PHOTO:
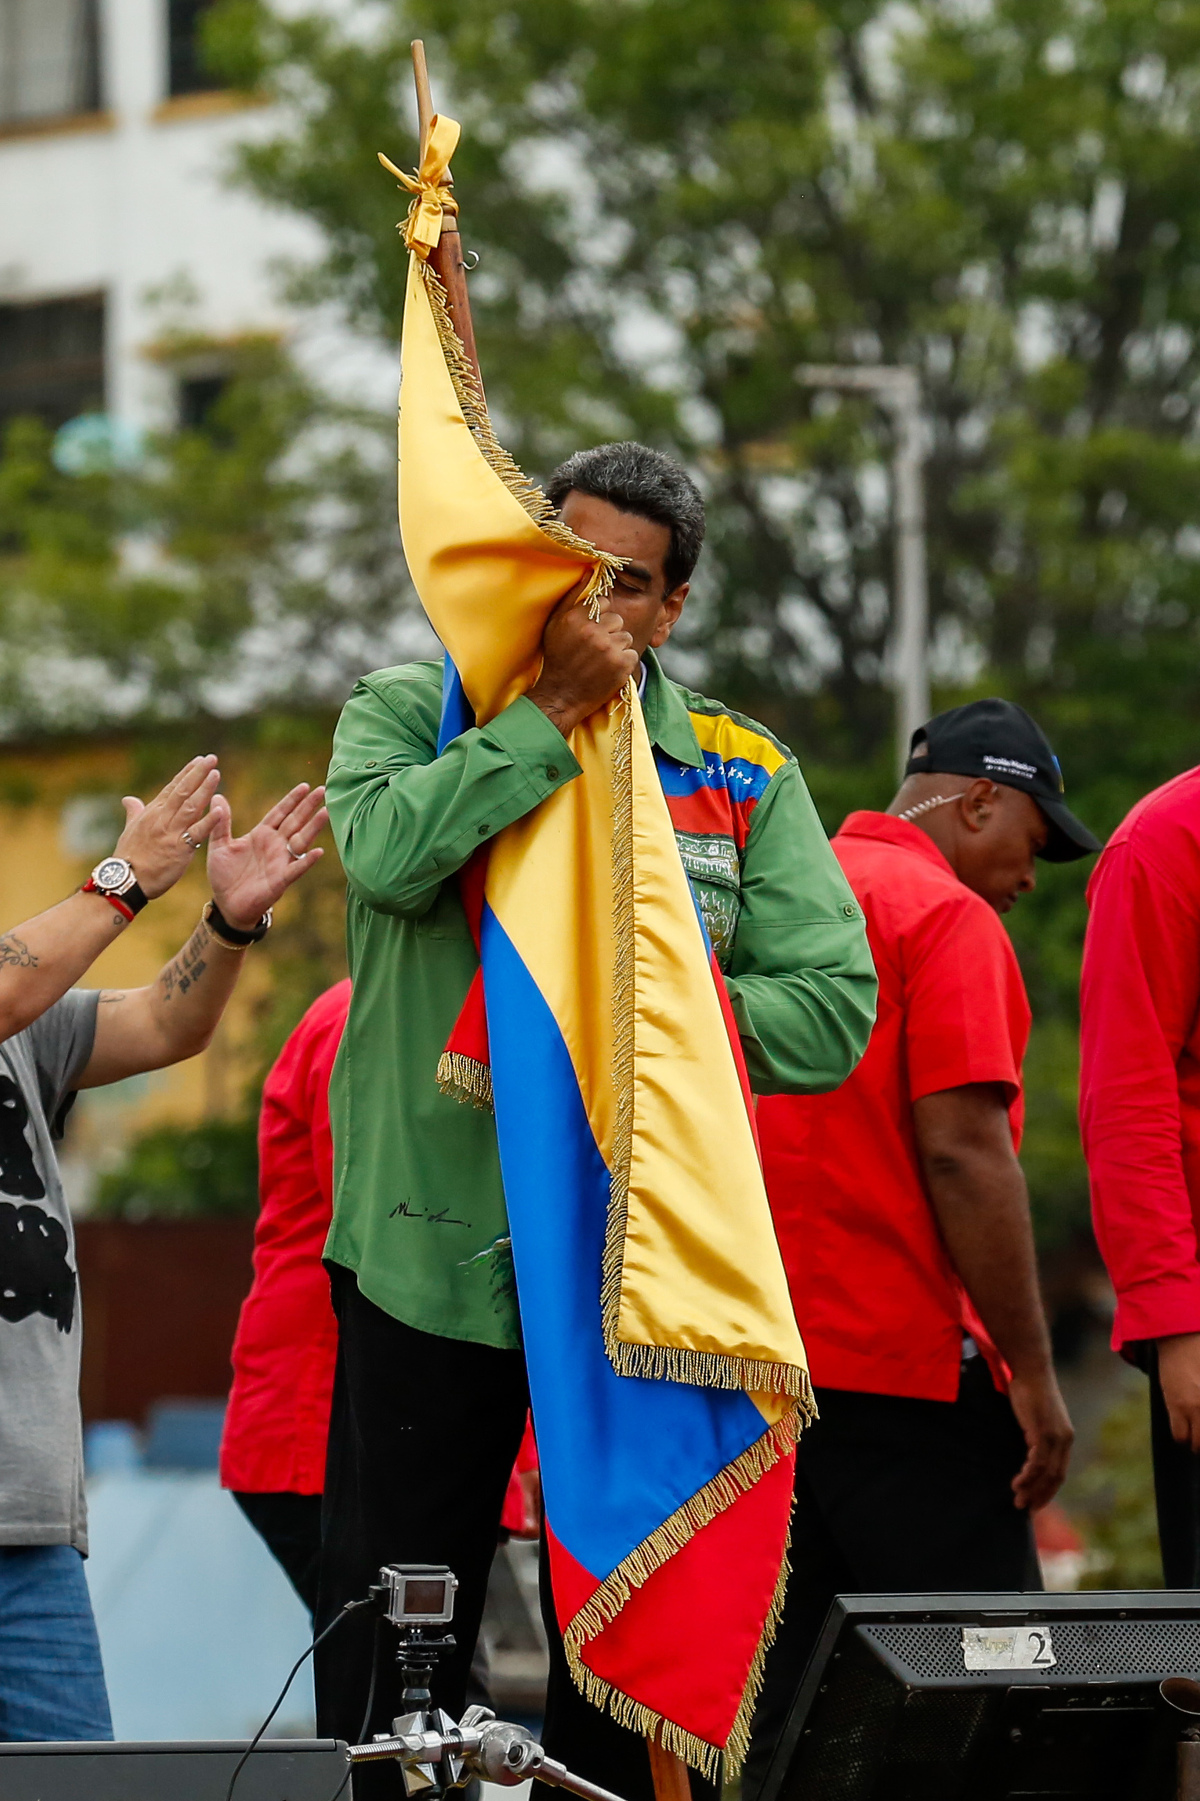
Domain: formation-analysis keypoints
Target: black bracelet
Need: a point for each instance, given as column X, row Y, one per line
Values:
column 230, row 936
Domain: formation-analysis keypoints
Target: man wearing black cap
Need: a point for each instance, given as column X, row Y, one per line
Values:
column 902, row 1211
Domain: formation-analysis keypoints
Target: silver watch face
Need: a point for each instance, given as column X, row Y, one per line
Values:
column 114, row 875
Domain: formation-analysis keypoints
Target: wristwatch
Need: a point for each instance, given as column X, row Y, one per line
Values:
column 231, row 936
column 115, row 882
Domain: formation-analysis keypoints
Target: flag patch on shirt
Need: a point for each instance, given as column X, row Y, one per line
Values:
column 711, row 809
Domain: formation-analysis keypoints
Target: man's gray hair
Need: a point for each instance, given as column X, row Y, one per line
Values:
column 636, row 479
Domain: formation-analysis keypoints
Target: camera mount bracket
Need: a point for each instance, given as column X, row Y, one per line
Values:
column 434, row 1753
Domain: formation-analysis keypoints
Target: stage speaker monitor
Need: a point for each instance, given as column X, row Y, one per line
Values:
column 990, row 1698
column 296, row 1769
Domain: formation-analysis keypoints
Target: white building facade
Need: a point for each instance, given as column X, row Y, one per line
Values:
column 118, row 223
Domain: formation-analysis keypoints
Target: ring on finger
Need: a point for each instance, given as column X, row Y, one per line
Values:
column 295, row 855
column 188, row 839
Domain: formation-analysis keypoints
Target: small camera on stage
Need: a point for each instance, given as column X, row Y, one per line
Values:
column 416, row 1594
column 437, row 1754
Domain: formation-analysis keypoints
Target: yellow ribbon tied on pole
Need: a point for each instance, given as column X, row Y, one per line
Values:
column 431, row 195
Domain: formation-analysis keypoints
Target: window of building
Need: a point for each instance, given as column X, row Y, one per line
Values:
column 49, row 59
column 186, row 71
column 52, row 359
column 198, row 395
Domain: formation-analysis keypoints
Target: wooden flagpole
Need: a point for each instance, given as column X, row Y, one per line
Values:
column 447, row 258
column 669, row 1771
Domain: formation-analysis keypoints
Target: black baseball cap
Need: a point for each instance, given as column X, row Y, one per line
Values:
column 998, row 740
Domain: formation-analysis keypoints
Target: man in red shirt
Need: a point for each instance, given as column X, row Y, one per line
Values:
column 902, row 1211
column 1140, row 1119
column 277, row 1422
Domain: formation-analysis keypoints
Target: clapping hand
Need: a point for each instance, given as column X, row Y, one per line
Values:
column 249, row 874
column 159, row 838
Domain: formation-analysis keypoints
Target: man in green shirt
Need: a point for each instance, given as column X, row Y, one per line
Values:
column 430, row 1393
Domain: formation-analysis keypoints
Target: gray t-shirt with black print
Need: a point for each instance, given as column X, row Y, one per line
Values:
column 41, row 1449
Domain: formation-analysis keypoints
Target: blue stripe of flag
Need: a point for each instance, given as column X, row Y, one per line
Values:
column 619, row 1454
column 457, row 712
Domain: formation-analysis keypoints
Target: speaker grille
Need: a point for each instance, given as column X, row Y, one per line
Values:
column 1081, row 1648
column 858, row 1718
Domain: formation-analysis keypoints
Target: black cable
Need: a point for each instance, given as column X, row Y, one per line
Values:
column 350, row 1607
column 363, row 1729
column 336, row 1795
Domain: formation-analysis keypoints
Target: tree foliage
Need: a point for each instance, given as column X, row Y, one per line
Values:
column 251, row 559
column 1112, row 1499
column 204, row 1171
column 677, row 203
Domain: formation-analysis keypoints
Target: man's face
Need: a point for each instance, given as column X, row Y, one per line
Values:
column 1004, row 828
column 640, row 593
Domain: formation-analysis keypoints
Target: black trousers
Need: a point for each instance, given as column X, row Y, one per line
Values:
column 290, row 1527
column 895, row 1496
column 423, row 1434
column 1176, row 1491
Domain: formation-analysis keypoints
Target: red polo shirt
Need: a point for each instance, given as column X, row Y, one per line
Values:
column 1139, row 1079
column 277, row 1420
column 879, row 1304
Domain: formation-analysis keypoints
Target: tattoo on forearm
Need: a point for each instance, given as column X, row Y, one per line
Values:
column 15, row 953
column 188, row 966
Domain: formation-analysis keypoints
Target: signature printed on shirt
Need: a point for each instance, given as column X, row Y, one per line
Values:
column 443, row 1216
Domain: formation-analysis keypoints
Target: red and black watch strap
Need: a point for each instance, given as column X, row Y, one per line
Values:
column 128, row 904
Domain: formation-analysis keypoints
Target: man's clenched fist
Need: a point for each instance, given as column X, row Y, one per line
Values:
column 587, row 661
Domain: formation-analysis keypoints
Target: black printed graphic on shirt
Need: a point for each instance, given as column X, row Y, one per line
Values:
column 18, row 1172
column 35, row 1276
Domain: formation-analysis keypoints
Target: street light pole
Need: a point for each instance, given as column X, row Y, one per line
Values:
column 898, row 389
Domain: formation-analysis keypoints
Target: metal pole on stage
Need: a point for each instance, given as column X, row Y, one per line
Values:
column 899, row 390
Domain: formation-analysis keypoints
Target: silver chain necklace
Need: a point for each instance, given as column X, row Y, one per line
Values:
column 926, row 806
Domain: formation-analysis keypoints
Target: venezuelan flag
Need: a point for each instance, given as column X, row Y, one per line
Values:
column 666, row 1370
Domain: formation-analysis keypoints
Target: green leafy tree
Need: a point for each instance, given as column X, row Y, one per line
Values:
column 251, row 560
column 677, row 204
column 1113, row 1501
column 209, row 1170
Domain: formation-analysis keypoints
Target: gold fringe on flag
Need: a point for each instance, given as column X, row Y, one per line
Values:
column 470, row 397
column 668, row 1363
column 623, row 1027
column 737, row 1750
column 615, row 1591
column 466, row 1079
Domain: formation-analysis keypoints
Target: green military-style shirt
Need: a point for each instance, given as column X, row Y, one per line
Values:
column 418, row 1200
